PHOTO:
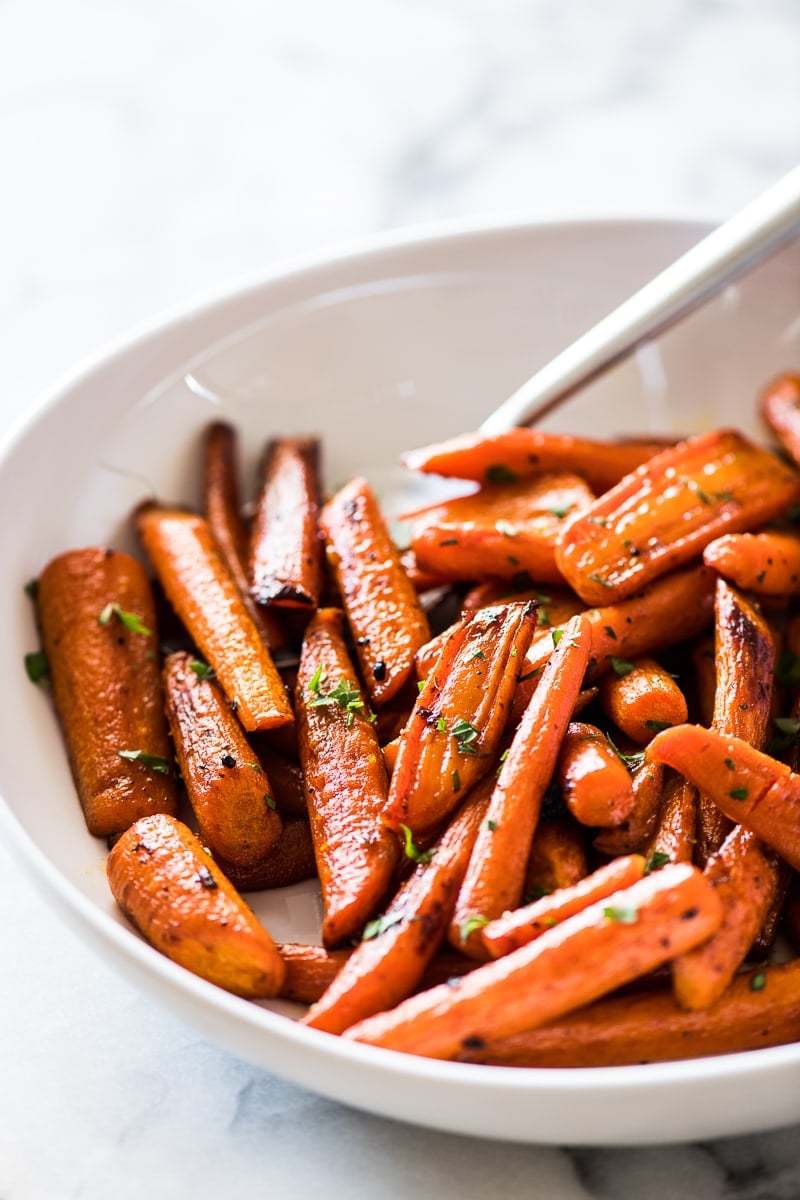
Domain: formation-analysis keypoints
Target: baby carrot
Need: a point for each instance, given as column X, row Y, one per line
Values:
column 291, row 860
column 634, row 833
column 779, row 405
column 557, row 858
column 285, row 547
column 641, row 698
column 675, row 833
column 765, row 563
column 595, row 781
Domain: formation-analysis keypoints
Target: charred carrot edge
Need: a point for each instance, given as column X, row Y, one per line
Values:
column 345, row 781
column 665, row 513
column 557, row 858
column 386, row 619
column 201, row 590
column 229, row 793
column 459, row 717
column 223, row 513
column 642, row 700
column 503, row 530
column 517, row 928
column 745, row 657
column 676, row 829
column 596, row 783
column 496, row 872
column 633, row 834
column 178, row 898
column 750, row 787
column 399, row 945
column 607, row 945
column 760, row 1008
column 518, row 453
column 779, row 405
column 97, row 621
column 285, row 547
column 745, row 875
column 291, row 860
column 765, row 563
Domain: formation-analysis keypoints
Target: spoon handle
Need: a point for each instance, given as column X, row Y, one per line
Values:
column 752, row 234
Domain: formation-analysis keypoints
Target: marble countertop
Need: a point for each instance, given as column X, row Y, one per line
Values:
column 154, row 152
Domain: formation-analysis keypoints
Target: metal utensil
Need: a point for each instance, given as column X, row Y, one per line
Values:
column 754, row 233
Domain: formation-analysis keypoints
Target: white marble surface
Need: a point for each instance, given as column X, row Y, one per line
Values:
column 155, row 151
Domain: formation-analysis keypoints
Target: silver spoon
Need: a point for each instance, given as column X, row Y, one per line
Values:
column 754, row 233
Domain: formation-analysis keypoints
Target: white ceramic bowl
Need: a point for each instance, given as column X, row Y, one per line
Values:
column 402, row 342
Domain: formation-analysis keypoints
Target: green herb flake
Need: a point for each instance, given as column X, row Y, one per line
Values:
column 548, row 922
column 657, row 726
column 441, row 725
column 620, row 666
column 623, row 914
column 491, row 825
column 476, row 654
column 632, row 761
column 599, row 579
column 758, row 981
column 739, row 793
column 466, row 736
column 270, row 802
column 37, row 668
column 656, row 861
column 557, row 635
column 500, row 473
column 456, row 778
column 154, row 761
column 470, row 925
column 346, row 695
column 130, row 620
column 411, row 849
column 375, row 928
column 560, row 510
column 421, row 685
column 610, row 632
column 315, row 682
column 542, row 617
column 449, row 542
column 201, row 669
column 530, row 674
column 730, row 764
column 506, row 528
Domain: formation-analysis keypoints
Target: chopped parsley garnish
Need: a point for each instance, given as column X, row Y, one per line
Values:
column 542, row 617
column 620, row 666
column 412, row 850
column 37, row 668
column 632, row 761
column 656, row 861
column 456, row 778
column 449, row 542
column 470, row 925
column 610, row 632
column 441, row 725
column 500, row 473
column 599, row 579
column 657, row 726
column 270, row 801
column 623, row 914
column 154, row 761
column 491, row 825
column 557, row 635
column 476, row 654
column 739, row 793
column 130, row 620
column 201, row 669
column 346, row 695
column 758, row 982
column 375, row 928
column 560, row 510
column 466, row 736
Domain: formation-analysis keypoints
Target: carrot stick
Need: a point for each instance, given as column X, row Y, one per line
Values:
column 386, row 619
column 229, row 793
column 765, row 563
column 285, row 547
column 667, row 511
column 676, row 830
column 760, row 1008
column 633, row 835
column 309, row 970
column 519, row 453
column 201, row 590
column 169, row 886
column 496, row 872
column 592, row 953
column 291, row 860
column 641, row 698
column 503, row 530
column 557, row 858
column 517, row 928
column 98, row 625
column 345, row 781
column 596, row 783
column 779, row 405
column 223, row 513
column 459, row 717
column 750, row 787
column 391, row 961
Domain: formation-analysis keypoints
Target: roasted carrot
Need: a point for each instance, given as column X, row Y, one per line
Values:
column 704, row 678
column 291, row 860
column 556, row 605
column 745, row 875
column 596, row 783
column 285, row 546
column 750, row 787
column 309, row 970
column 345, row 781
column 665, row 513
column 675, row 833
column 232, row 798
column 459, row 717
column 386, row 619
column 222, row 511
column 765, row 563
column 398, row 946
column 169, row 886
column 607, row 945
column 98, row 625
column 201, row 590
column 760, row 1008
column 641, row 698
column 634, row 833
column 286, row 780
column 517, row 928
column 779, row 405
column 421, row 580
column 519, row 453
column 504, row 530
column 557, row 858
column 496, row 873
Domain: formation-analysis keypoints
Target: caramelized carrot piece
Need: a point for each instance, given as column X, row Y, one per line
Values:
column 345, row 781
column 519, row 453
column 760, row 1008
column 765, row 563
column 607, row 945
column 667, row 511
column 517, row 928
column 745, row 875
column 634, row 833
column 779, row 405
column 285, row 547
column 750, row 787
column 496, row 872
column 98, row 626
column 458, row 720
column 641, row 698
column 386, row 619
column 676, row 830
column 228, row 790
column 421, row 580
column 596, row 783
column 223, row 513
column 704, row 675
column 171, row 889
column 503, row 530
column 556, row 605
column 309, row 970
column 387, row 966
column 201, row 590
column 291, row 860
column 557, row 858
